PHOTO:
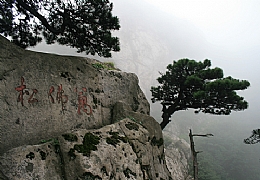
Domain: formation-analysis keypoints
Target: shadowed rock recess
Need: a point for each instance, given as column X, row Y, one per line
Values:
column 74, row 118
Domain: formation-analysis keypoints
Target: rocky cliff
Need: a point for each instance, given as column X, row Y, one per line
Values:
column 44, row 95
column 65, row 117
column 127, row 149
column 177, row 156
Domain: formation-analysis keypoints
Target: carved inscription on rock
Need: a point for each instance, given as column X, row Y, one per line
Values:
column 55, row 95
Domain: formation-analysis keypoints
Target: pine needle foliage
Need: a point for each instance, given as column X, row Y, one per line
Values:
column 191, row 84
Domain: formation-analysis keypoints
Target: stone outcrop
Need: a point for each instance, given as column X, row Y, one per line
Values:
column 44, row 95
column 177, row 156
column 65, row 117
column 129, row 149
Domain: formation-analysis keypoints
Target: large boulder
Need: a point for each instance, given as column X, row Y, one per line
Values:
column 124, row 150
column 44, row 95
column 65, row 117
column 177, row 156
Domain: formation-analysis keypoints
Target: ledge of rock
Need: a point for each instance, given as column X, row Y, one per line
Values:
column 44, row 95
column 69, row 118
column 124, row 150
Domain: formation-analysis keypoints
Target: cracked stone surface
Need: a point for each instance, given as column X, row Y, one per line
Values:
column 43, row 95
column 132, row 155
column 64, row 119
column 177, row 156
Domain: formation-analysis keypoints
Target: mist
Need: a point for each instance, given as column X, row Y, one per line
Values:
column 151, row 38
column 154, row 33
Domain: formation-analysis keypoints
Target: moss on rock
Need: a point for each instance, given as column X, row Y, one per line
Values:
column 89, row 144
column 43, row 155
column 132, row 126
column 70, row 137
column 156, row 142
column 90, row 176
column 104, row 170
column 30, row 155
column 115, row 138
column 127, row 173
column 72, row 154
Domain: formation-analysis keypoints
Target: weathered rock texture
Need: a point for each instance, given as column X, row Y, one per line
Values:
column 44, row 95
column 66, row 118
column 127, row 149
column 177, row 156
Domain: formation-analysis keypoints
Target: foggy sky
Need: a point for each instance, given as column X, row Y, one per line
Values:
column 154, row 33
column 226, row 32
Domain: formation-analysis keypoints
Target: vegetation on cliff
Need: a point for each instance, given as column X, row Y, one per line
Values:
column 84, row 25
column 190, row 84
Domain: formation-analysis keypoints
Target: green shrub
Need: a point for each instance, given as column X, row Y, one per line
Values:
column 104, row 65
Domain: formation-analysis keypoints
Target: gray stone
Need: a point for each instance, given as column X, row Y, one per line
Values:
column 62, row 118
column 177, row 156
column 121, row 152
column 43, row 95
column 17, row 163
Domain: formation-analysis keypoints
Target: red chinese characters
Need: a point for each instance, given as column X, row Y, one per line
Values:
column 55, row 96
column 22, row 90
column 31, row 99
column 83, row 103
column 60, row 97
column 50, row 92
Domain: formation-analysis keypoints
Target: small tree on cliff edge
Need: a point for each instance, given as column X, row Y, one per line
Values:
column 254, row 138
column 190, row 84
column 82, row 24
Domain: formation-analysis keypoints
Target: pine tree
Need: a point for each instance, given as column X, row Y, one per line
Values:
column 82, row 24
column 190, row 84
column 254, row 138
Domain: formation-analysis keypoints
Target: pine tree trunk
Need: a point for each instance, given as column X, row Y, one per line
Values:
column 194, row 156
column 167, row 113
column 166, row 120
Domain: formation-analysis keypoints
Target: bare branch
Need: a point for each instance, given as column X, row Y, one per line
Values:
column 39, row 16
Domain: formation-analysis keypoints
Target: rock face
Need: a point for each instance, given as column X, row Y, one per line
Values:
column 177, row 156
column 44, row 95
column 129, row 149
column 71, row 118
